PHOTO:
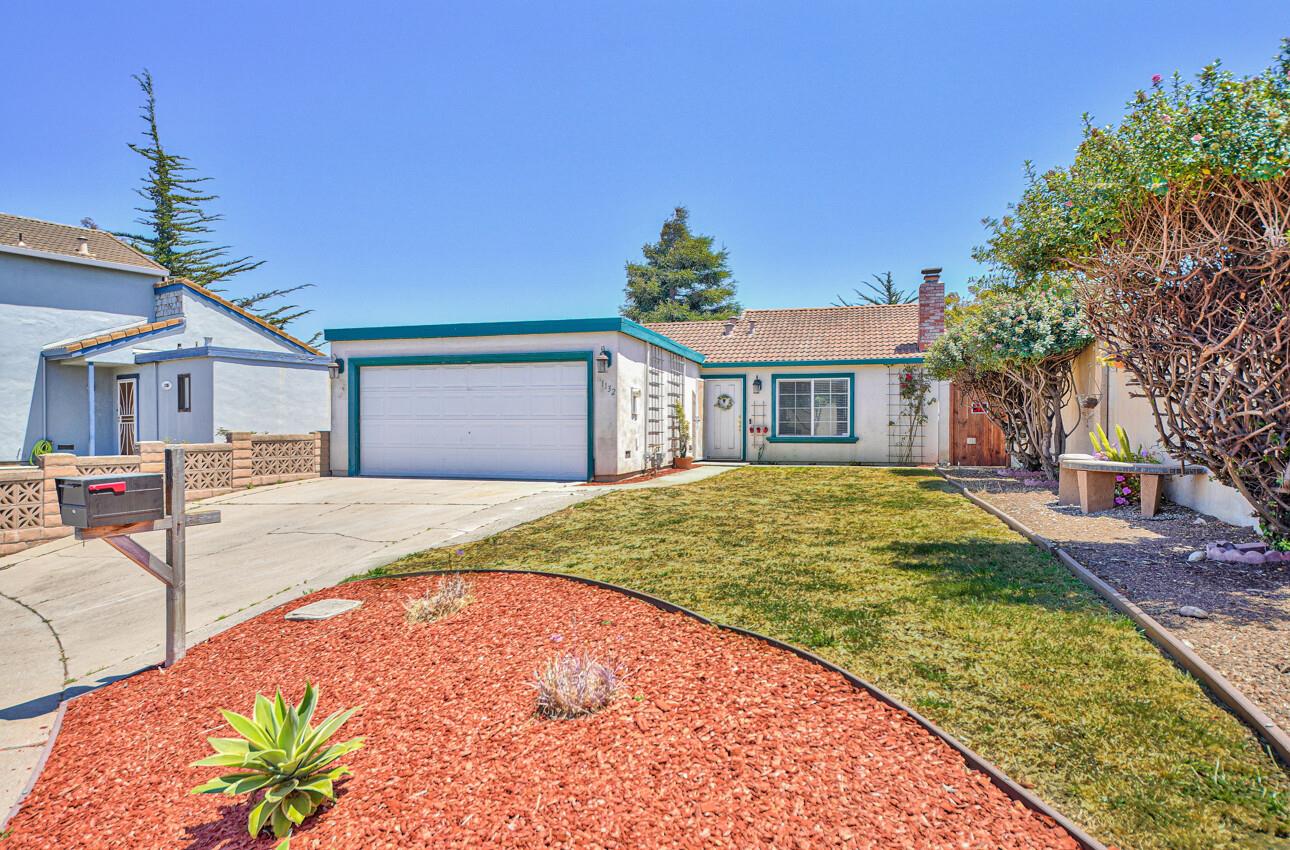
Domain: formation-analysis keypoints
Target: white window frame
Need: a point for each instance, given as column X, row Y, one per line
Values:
column 813, row 380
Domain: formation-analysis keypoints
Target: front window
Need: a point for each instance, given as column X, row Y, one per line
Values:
column 814, row 407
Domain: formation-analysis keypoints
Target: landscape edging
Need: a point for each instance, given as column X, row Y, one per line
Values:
column 1250, row 714
column 997, row 777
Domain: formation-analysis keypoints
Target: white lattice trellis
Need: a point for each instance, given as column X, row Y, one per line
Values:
column 906, row 425
column 20, row 505
column 282, row 457
column 208, row 469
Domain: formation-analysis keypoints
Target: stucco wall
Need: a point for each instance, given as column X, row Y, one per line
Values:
column 1117, row 405
column 196, row 425
column 271, row 399
column 631, row 373
column 871, row 417
column 43, row 302
column 204, row 319
column 606, row 388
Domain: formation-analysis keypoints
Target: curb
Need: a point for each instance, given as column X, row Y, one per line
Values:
column 38, row 768
column 997, row 777
column 1250, row 714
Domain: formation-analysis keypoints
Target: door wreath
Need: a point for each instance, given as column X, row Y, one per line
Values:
column 725, row 402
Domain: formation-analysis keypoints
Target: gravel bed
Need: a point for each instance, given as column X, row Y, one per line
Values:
column 717, row 741
column 1247, row 633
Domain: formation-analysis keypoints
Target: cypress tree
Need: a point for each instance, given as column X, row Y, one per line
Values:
column 177, row 223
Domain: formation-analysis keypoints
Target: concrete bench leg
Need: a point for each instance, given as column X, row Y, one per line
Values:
column 1151, row 488
column 1096, row 491
column 1067, row 486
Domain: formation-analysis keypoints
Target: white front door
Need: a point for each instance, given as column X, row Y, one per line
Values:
column 503, row 420
column 127, row 416
column 723, row 421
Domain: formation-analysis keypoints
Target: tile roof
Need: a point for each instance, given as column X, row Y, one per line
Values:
column 808, row 333
column 122, row 334
column 246, row 314
column 22, row 232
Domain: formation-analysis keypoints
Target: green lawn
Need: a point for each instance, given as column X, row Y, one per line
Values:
column 892, row 575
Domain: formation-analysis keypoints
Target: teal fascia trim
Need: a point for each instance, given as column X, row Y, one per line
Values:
column 354, row 368
column 774, row 415
column 871, row 361
column 743, row 378
column 614, row 324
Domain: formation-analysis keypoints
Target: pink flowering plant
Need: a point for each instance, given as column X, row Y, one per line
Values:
column 1128, row 488
column 1175, row 135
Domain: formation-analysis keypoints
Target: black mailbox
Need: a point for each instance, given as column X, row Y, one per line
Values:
column 91, row 501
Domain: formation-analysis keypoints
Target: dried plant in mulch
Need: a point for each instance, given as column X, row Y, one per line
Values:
column 575, row 683
column 1192, row 297
column 450, row 595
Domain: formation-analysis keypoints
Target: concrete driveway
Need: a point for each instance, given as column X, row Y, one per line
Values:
column 75, row 615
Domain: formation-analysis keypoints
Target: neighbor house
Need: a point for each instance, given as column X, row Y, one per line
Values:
column 598, row 398
column 100, row 350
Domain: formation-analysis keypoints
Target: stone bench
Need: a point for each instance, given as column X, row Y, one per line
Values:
column 1090, row 483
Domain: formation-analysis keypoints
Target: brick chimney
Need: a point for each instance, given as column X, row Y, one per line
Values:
column 931, row 308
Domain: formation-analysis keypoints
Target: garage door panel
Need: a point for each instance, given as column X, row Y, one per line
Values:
column 510, row 420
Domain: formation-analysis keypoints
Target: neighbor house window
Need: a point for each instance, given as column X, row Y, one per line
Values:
column 814, row 407
column 185, row 395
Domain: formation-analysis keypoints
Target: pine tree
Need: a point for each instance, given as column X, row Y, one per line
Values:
column 682, row 279
column 882, row 291
column 177, row 223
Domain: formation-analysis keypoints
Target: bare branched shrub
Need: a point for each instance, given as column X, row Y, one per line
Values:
column 1192, row 296
column 449, row 596
column 575, row 683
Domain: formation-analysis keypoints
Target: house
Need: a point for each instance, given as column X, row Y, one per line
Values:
column 596, row 398
column 102, row 350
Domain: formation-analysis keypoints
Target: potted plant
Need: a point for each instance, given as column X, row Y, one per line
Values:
column 683, row 459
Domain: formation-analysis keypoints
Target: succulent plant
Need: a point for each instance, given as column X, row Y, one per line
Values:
column 281, row 754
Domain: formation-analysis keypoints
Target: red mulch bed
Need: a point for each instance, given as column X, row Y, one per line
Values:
column 635, row 479
column 719, row 741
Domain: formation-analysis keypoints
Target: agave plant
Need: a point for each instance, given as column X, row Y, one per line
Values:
column 283, row 755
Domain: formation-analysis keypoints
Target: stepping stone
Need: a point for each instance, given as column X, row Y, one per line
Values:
column 323, row 609
column 1193, row 611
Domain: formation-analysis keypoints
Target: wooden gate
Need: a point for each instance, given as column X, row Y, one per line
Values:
column 974, row 439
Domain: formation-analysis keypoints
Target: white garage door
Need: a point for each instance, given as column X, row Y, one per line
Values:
column 505, row 420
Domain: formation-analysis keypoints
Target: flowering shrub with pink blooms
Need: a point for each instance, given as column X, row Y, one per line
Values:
column 1175, row 135
column 1172, row 225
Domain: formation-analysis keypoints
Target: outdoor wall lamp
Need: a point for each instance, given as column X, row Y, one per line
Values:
column 603, row 359
column 336, row 368
column 757, row 384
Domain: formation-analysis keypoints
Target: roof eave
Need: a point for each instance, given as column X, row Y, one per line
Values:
column 614, row 324
column 893, row 360
column 62, row 352
column 157, row 271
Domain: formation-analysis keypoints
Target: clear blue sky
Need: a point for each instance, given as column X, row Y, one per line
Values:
column 425, row 162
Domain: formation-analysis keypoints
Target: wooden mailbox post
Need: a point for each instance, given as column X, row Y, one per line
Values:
column 171, row 572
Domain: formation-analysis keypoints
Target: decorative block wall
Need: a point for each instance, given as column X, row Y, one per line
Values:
column 29, row 512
